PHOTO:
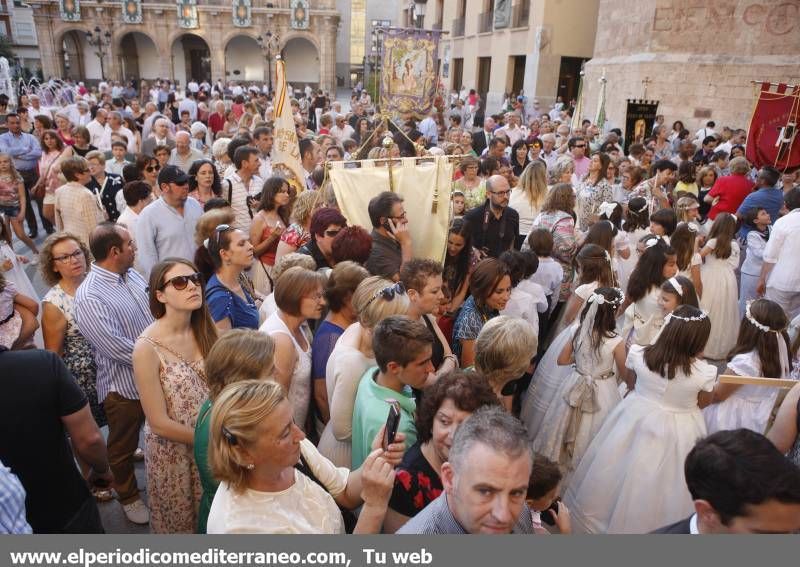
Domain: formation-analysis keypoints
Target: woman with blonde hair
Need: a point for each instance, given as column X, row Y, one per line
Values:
column 273, row 480
column 375, row 299
column 298, row 234
column 528, row 196
column 168, row 369
column 241, row 354
column 504, row 350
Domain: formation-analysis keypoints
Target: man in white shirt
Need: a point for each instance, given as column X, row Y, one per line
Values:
column 79, row 114
column 97, row 127
column 310, row 157
column 512, row 128
column 704, row 133
column 36, row 108
column 236, row 90
column 341, row 130
column 549, row 154
column 244, row 183
column 183, row 154
column 262, row 137
column 193, row 87
column 780, row 273
column 138, row 195
column 739, row 138
column 114, row 125
column 188, row 105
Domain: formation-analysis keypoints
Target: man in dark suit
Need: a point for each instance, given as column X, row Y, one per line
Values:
column 740, row 483
column 480, row 140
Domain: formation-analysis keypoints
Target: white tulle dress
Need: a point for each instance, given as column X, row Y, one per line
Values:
column 721, row 300
column 549, row 376
column 749, row 406
column 643, row 319
column 630, row 479
column 580, row 406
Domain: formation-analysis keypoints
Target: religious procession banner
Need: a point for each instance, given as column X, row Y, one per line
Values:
column 408, row 77
column 424, row 185
column 286, row 147
column 300, row 14
column 132, row 12
column 639, row 120
column 70, row 10
column 242, row 13
column 772, row 137
column 187, row 14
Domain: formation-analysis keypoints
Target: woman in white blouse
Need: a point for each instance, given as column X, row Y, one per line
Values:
column 274, row 481
column 528, row 196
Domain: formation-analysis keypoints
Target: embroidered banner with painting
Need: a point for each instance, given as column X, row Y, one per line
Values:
column 242, row 13
column 187, row 14
column 639, row 120
column 408, row 77
column 773, row 137
column 299, row 14
column 70, row 10
column 132, row 12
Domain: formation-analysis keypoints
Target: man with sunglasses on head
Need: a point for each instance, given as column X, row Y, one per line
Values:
column 112, row 309
column 325, row 225
column 165, row 228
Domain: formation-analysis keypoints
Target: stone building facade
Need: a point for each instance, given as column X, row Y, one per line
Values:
column 697, row 57
column 215, row 49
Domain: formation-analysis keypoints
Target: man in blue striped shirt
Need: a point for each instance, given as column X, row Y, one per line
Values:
column 12, row 504
column 112, row 310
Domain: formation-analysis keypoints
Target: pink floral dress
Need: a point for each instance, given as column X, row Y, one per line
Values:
column 173, row 482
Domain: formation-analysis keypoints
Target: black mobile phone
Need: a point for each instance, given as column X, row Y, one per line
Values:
column 387, row 226
column 547, row 517
column 392, row 423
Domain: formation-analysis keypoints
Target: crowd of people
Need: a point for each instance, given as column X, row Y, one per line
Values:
column 283, row 371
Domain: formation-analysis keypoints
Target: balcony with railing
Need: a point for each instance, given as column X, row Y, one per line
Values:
column 520, row 14
column 458, row 27
column 485, row 22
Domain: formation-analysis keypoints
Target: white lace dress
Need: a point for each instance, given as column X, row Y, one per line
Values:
column 631, row 480
column 749, row 406
column 300, row 387
column 549, row 376
column 580, row 406
column 721, row 301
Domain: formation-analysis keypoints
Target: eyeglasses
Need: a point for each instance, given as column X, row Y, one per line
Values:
column 501, row 193
column 152, row 168
column 219, row 230
column 401, row 216
column 388, row 293
column 67, row 258
column 332, row 233
column 180, row 282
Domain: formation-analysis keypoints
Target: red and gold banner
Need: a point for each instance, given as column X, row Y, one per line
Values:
column 773, row 137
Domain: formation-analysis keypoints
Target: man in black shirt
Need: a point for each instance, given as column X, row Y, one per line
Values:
column 41, row 405
column 494, row 225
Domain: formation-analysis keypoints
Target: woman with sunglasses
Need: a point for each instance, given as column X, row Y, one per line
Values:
column 230, row 296
column 204, row 181
column 64, row 262
column 375, row 299
column 168, row 366
column 265, row 231
column 149, row 167
column 299, row 297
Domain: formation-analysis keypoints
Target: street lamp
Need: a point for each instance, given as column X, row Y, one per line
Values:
column 269, row 43
column 100, row 41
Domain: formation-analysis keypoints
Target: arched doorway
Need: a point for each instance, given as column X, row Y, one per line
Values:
column 191, row 59
column 302, row 61
column 244, row 60
column 73, row 57
column 138, row 56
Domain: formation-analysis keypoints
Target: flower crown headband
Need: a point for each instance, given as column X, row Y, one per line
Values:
column 703, row 315
column 758, row 325
column 602, row 299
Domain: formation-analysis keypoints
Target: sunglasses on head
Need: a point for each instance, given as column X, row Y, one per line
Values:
column 388, row 293
column 220, row 229
column 180, row 282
